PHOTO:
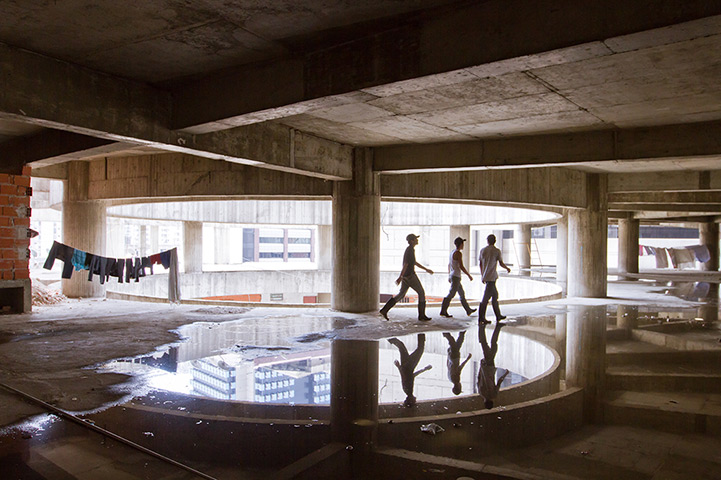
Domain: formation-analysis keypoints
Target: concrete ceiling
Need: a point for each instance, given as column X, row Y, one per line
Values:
column 389, row 74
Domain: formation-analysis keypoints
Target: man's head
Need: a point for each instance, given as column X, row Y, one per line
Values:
column 412, row 239
column 491, row 239
column 459, row 242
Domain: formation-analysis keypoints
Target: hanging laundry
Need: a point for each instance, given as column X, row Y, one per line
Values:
column 684, row 258
column 62, row 252
column 661, row 258
column 173, row 280
column 701, row 252
column 79, row 260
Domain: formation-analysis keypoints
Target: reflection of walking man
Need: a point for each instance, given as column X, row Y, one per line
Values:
column 455, row 268
column 408, row 364
column 490, row 255
column 454, row 360
column 488, row 387
column 409, row 279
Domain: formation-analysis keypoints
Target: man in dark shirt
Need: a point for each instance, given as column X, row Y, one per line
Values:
column 408, row 279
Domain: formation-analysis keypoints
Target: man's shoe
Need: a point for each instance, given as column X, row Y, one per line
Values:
column 424, row 318
column 471, row 311
column 483, row 321
column 447, row 315
column 502, row 317
column 384, row 314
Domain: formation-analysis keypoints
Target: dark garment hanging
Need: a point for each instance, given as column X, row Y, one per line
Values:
column 98, row 267
column 165, row 258
column 61, row 252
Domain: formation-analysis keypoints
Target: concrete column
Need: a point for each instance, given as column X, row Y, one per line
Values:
column 522, row 243
column 463, row 231
column 627, row 317
column 144, row 241
column 354, row 394
column 586, row 357
column 562, row 253
column 709, row 236
column 356, row 238
column 193, row 246
column 84, row 228
column 561, row 332
column 221, row 245
column 154, row 239
column 587, row 242
column 627, row 247
column 708, row 311
column 325, row 247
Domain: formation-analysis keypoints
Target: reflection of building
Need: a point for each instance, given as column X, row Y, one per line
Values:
column 301, row 380
column 215, row 380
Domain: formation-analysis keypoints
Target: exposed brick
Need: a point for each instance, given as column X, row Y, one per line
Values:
column 27, row 171
column 21, row 274
column 4, row 178
column 7, row 243
column 22, row 181
column 6, row 189
column 18, row 200
column 22, row 242
column 7, row 232
column 5, row 221
column 21, row 222
column 7, row 275
column 21, row 264
column 9, row 211
column 6, row 264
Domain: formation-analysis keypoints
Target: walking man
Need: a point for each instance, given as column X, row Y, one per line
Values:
column 408, row 279
column 455, row 268
column 489, row 257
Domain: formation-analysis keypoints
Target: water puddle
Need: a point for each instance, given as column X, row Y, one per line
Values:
column 287, row 360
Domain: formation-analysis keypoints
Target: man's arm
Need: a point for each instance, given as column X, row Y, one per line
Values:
column 403, row 272
column 500, row 262
column 458, row 256
column 424, row 268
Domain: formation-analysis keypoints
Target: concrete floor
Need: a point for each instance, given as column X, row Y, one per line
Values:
column 47, row 354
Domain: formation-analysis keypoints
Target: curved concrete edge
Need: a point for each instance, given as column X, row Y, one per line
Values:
column 194, row 301
column 546, row 384
column 516, row 425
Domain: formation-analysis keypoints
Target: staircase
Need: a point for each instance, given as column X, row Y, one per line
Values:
column 651, row 385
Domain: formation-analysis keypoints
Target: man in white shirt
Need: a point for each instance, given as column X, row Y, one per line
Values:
column 490, row 256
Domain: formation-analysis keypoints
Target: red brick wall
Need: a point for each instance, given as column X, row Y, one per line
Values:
column 15, row 195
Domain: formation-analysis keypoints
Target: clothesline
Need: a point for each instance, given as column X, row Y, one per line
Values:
column 681, row 257
column 120, row 268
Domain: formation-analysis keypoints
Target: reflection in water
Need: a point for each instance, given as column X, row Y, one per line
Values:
column 489, row 383
column 407, row 366
column 455, row 367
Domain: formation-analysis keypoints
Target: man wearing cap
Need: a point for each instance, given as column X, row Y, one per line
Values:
column 489, row 257
column 409, row 279
column 455, row 268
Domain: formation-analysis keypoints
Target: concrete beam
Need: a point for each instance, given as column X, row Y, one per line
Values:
column 554, row 187
column 664, row 181
column 667, row 142
column 169, row 176
column 50, row 93
column 430, row 45
column 667, row 198
column 665, row 207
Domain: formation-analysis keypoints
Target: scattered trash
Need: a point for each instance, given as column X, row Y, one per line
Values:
column 349, row 448
column 432, row 428
column 198, row 422
column 181, row 408
column 672, row 401
column 390, row 421
column 148, row 434
column 457, row 425
column 585, row 452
